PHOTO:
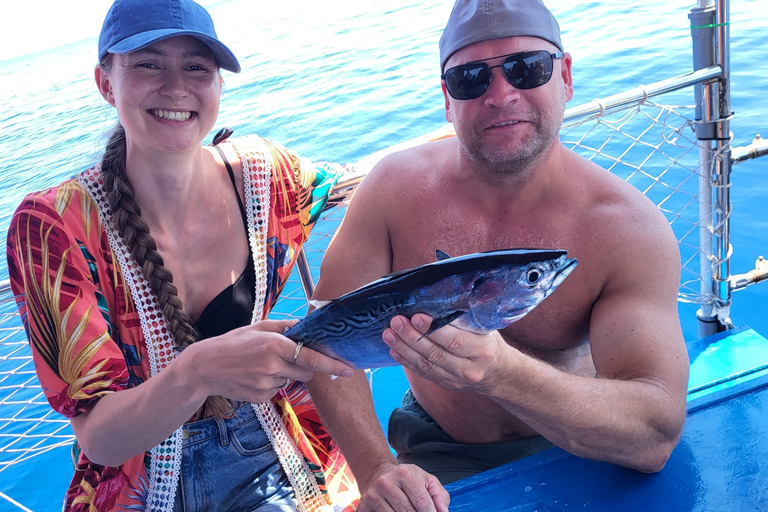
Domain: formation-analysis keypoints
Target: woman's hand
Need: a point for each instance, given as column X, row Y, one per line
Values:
column 251, row 363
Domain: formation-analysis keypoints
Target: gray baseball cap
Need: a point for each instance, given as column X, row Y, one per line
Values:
column 473, row 21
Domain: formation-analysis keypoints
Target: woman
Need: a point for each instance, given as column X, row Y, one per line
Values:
column 137, row 282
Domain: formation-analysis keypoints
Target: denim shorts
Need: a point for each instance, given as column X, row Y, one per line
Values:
column 230, row 465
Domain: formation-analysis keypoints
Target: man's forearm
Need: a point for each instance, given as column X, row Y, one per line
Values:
column 635, row 423
column 346, row 408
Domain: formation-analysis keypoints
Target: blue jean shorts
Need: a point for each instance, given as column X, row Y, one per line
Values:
column 230, row 465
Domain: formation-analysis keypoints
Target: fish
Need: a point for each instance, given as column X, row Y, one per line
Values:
column 479, row 293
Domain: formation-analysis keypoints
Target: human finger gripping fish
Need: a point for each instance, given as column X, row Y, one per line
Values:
column 479, row 292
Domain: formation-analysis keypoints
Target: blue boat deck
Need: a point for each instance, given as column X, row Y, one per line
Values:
column 719, row 464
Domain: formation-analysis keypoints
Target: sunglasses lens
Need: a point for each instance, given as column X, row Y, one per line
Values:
column 468, row 81
column 528, row 70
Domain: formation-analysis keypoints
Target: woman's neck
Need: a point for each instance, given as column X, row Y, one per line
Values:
column 169, row 186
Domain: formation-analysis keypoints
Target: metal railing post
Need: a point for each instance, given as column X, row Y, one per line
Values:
column 721, row 172
column 305, row 275
column 710, row 47
column 703, row 35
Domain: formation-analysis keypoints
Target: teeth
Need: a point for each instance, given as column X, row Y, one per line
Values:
column 171, row 115
column 505, row 123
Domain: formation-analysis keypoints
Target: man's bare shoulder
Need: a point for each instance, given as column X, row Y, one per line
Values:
column 621, row 227
column 613, row 201
column 388, row 196
column 414, row 163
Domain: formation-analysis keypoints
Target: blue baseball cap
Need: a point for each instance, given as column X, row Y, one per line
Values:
column 131, row 25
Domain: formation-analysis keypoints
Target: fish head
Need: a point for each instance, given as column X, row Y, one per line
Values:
column 506, row 293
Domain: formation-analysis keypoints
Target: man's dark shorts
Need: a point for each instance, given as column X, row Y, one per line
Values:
column 417, row 439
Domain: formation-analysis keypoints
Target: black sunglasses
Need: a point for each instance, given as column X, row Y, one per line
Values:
column 526, row 70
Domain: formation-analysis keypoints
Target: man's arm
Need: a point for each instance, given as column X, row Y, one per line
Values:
column 360, row 253
column 633, row 412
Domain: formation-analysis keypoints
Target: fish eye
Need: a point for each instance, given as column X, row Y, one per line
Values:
column 533, row 275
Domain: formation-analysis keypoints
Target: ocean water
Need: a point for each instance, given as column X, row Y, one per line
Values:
column 342, row 79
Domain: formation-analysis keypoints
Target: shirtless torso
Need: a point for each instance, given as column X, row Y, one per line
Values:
column 611, row 228
column 599, row 368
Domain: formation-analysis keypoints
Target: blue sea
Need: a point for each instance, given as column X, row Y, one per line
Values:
column 341, row 79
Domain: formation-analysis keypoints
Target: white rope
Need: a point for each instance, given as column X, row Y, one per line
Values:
column 14, row 502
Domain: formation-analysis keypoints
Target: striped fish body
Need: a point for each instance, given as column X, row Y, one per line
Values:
column 478, row 292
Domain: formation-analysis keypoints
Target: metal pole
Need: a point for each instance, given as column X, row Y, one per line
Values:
column 603, row 106
column 710, row 33
column 722, row 171
column 758, row 148
column 305, row 275
column 703, row 35
column 721, row 208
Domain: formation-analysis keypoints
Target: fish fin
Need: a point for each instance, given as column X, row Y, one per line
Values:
column 440, row 255
column 443, row 321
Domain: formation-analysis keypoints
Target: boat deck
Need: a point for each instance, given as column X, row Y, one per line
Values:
column 719, row 464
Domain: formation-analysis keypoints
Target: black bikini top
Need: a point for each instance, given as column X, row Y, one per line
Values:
column 233, row 307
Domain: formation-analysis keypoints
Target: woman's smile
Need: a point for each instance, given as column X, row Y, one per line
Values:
column 171, row 115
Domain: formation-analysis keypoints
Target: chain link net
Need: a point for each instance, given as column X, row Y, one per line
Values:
column 654, row 148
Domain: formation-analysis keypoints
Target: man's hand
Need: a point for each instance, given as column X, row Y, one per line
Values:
column 456, row 360
column 404, row 488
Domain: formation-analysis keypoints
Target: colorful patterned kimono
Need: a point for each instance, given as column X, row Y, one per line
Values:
column 95, row 328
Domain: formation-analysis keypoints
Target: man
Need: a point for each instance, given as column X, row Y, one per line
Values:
column 599, row 368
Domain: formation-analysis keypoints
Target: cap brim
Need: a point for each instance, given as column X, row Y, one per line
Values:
column 224, row 56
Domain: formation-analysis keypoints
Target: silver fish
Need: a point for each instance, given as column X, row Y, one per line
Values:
column 478, row 292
